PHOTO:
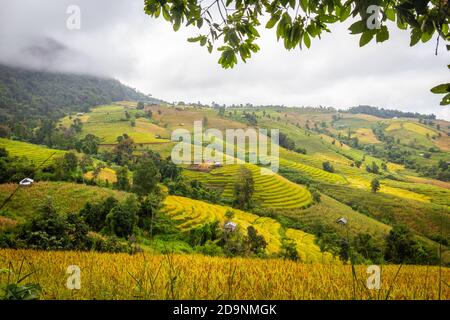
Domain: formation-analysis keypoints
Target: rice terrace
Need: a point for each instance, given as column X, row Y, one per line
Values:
column 310, row 175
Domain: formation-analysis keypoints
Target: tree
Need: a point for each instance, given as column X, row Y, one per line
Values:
column 244, row 188
column 123, row 182
column 140, row 105
column 327, row 166
column 234, row 23
column 95, row 214
column 145, row 177
column 89, row 144
column 122, row 219
column 289, row 249
column 123, row 151
column 366, row 246
column 401, row 247
column 149, row 214
column 375, row 185
column 256, row 242
column 70, row 162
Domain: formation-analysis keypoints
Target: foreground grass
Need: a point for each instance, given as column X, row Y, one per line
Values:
column 144, row 276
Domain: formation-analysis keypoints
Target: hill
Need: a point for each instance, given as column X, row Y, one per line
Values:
column 33, row 152
column 29, row 95
column 187, row 213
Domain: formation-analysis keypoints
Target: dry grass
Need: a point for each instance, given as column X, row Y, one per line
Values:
column 144, row 276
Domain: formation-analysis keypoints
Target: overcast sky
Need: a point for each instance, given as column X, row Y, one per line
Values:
column 117, row 39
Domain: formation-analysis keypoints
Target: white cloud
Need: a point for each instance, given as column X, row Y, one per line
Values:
column 118, row 39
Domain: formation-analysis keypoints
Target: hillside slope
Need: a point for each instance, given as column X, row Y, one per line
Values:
column 27, row 95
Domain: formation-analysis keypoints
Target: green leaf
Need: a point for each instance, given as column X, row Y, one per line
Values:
column 304, row 5
column 273, row 20
column 253, row 30
column 306, row 40
column 165, row 12
column 401, row 24
column 426, row 36
column 358, row 27
column 390, row 14
column 328, row 18
column 445, row 100
column 292, row 3
column 415, row 36
column 195, row 39
column 442, row 88
column 365, row 38
column 345, row 13
column 382, row 34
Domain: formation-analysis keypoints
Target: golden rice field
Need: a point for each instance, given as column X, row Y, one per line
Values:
column 108, row 122
column 106, row 174
column 33, row 152
column 411, row 126
column 189, row 213
column 271, row 190
column 314, row 173
column 364, row 183
column 366, row 135
column 145, row 276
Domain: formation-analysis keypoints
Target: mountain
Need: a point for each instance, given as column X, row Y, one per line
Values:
column 29, row 95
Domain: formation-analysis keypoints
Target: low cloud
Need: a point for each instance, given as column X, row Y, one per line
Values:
column 117, row 39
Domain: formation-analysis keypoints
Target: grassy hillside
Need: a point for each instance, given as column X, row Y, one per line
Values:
column 66, row 197
column 187, row 213
column 33, row 152
column 190, row 213
column 425, row 218
column 110, row 121
column 28, row 95
column 271, row 190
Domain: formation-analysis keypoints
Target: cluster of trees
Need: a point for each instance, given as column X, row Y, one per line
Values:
column 399, row 246
column 387, row 113
column 13, row 169
column 28, row 97
column 214, row 239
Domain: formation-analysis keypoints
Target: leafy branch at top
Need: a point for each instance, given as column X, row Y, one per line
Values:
column 233, row 23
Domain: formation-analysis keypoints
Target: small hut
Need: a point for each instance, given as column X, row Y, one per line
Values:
column 230, row 226
column 26, row 182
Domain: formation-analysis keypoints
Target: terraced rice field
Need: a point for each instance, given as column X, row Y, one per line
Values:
column 34, row 153
column 109, row 122
column 411, row 127
column 189, row 213
column 314, row 173
column 271, row 191
column 364, row 183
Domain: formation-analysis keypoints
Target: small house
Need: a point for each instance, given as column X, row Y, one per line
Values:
column 26, row 182
column 342, row 221
column 230, row 226
column 79, row 114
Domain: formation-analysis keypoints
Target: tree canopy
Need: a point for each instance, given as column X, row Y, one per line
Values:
column 233, row 23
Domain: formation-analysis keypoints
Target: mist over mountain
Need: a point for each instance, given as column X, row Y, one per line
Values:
column 29, row 95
